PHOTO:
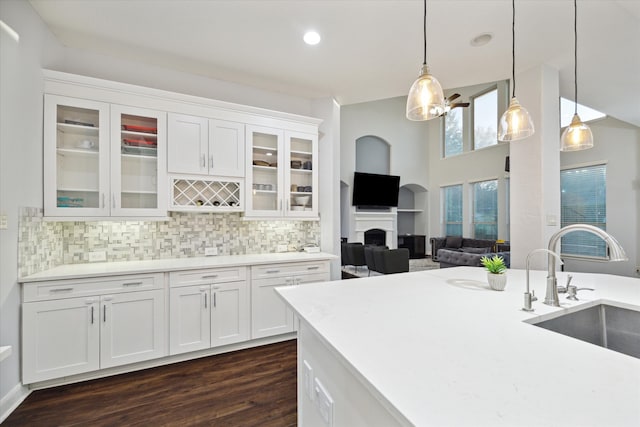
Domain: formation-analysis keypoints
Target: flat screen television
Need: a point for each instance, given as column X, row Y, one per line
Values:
column 373, row 190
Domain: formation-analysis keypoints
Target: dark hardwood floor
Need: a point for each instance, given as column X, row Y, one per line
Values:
column 254, row 387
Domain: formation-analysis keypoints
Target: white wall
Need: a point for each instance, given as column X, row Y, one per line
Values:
column 20, row 165
column 618, row 144
column 386, row 119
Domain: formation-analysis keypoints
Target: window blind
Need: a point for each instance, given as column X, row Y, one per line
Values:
column 452, row 210
column 583, row 200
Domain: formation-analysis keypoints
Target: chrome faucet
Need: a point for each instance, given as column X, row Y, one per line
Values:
column 529, row 297
column 615, row 253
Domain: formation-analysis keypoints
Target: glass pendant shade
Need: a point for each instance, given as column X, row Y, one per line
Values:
column 426, row 99
column 576, row 136
column 515, row 123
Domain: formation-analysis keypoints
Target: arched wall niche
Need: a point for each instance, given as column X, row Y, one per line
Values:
column 373, row 155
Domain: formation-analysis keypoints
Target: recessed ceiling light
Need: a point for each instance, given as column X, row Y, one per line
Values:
column 481, row 39
column 311, row 37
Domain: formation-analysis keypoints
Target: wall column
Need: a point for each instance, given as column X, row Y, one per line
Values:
column 535, row 168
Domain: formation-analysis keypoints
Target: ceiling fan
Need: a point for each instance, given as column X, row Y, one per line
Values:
column 450, row 105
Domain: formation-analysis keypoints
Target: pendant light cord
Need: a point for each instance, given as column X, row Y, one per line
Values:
column 425, row 33
column 513, row 45
column 575, row 55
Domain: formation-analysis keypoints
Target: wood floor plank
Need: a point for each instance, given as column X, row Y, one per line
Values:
column 253, row 387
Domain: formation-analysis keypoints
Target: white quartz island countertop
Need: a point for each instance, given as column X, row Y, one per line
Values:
column 439, row 348
column 97, row 269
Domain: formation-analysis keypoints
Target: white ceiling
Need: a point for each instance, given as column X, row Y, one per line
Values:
column 369, row 49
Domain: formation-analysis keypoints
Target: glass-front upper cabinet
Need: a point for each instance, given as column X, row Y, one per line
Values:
column 76, row 157
column 301, row 179
column 138, row 162
column 103, row 160
column 264, row 179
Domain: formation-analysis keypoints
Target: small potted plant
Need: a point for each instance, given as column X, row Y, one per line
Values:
column 495, row 272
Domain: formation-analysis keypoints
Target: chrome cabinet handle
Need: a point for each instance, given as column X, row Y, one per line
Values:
column 210, row 276
column 273, row 271
column 210, row 162
column 132, row 284
column 103, row 205
column 104, row 313
column 202, row 160
column 53, row 291
column 92, row 307
column 214, row 299
column 315, row 267
column 205, row 300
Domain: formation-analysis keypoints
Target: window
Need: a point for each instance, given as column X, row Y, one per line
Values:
column 485, row 119
column 507, row 185
column 583, row 201
column 485, row 209
column 567, row 109
column 453, row 132
column 452, row 210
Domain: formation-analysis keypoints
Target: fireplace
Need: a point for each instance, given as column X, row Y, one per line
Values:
column 375, row 236
column 381, row 221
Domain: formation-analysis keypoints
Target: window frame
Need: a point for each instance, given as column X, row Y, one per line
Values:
column 472, row 100
column 473, row 209
column 445, row 222
column 444, row 133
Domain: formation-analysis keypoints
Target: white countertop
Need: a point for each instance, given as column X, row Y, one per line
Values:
column 445, row 350
column 96, row 269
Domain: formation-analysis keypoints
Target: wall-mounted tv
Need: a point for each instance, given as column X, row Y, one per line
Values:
column 373, row 190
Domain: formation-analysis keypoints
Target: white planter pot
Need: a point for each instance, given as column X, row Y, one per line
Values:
column 497, row 282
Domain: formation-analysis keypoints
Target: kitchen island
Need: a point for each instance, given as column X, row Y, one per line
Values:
column 439, row 348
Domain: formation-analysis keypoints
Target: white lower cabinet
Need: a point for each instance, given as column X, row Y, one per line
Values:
column 67, row 336
column 212, row 313
column 270, row 315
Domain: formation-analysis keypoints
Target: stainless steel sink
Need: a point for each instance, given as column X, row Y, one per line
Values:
column 608, row 326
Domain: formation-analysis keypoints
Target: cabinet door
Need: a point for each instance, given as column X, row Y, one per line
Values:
column 264, row 179
column 301, row 174
column 132, row 327
column 138, row 158
column 229, row 313
column 188, row 144
column 226, row 148
column 76, row 157
column 189, row 319
column 269, row 314
column 59, row 338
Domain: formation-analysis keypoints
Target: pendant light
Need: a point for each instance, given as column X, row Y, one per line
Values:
column 576, row 136
column 426, row 99
column 515, row 123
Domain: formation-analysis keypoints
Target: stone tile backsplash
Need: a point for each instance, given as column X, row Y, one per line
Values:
column 44, row 244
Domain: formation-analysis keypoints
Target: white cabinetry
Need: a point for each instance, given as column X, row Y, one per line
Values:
column 102, row 159
column 282, row 175
column 269, row 314
column 75, row 326
column 202, row 146
column 208, row 308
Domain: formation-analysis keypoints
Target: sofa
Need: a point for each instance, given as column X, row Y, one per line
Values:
column 449, row 258
column 460, row 244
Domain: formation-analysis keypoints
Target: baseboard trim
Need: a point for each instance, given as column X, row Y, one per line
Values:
column 12, row 400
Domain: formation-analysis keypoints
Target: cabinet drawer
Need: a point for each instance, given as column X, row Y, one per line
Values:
column 207, row 276
column 289, row 269
column 59, row 289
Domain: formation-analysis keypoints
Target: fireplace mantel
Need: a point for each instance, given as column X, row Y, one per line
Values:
column 384, row 220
